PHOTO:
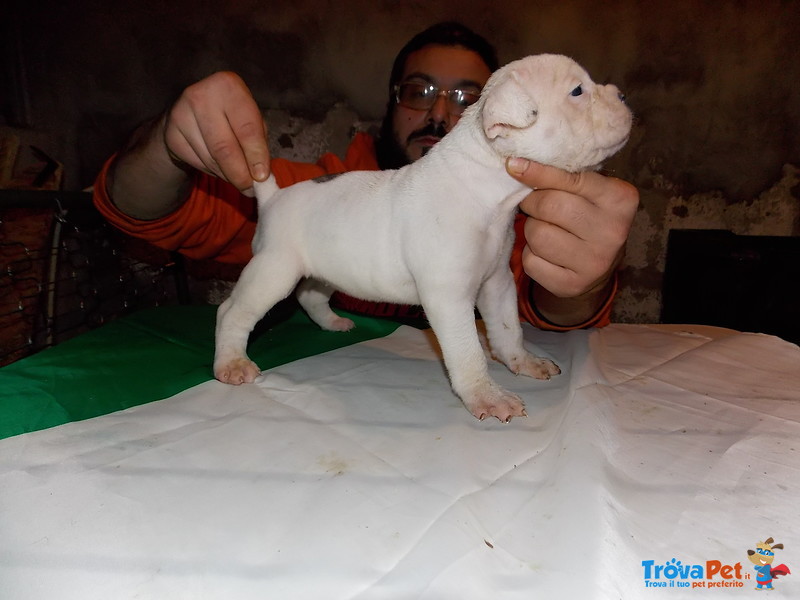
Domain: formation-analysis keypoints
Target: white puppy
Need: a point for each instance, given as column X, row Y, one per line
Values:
column 437, row 232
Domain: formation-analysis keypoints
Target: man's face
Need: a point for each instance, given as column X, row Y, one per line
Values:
column 447, row 68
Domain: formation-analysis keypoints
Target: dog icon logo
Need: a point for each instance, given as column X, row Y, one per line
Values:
column 762, row 557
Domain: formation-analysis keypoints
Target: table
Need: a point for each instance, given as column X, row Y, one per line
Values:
column 356, row 473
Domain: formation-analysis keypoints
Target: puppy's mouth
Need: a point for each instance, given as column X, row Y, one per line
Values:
column 612, row 149
column 600, row 155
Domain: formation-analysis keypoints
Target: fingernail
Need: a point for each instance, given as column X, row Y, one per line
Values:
column 517, row 166
column 259, row 172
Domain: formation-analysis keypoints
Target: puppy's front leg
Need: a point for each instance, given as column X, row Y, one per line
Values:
column 497, row 303
column 453, row 322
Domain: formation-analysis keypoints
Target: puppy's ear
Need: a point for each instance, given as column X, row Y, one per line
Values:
column 508, row 106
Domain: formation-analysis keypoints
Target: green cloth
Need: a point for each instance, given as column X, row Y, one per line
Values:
column 147, row 356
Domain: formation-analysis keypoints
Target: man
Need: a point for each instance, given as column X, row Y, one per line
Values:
column 184, row 181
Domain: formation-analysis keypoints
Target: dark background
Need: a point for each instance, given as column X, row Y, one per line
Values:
column 714, row 86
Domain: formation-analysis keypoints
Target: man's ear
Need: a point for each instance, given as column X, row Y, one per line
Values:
column 508, row 106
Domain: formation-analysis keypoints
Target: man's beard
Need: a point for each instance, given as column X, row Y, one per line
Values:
column 391, row 154
column 430, row 130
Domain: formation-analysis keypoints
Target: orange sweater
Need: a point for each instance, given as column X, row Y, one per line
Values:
column 217, row 222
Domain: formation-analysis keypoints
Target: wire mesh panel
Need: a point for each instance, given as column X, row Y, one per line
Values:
column 64, row 270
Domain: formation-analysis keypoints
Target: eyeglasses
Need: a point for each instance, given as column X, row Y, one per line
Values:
column 422, row 96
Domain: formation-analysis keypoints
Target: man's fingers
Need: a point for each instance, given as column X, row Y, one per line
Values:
column 539, row 176
column 599, row 189
column 251, row 132
column 220, row 151
column 561, row 281
column 246, row 123
column 217, row 127
column 553, row 243
column 569, row 211
column 185, row 144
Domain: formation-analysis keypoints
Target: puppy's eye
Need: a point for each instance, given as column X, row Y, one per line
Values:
column 577, row 91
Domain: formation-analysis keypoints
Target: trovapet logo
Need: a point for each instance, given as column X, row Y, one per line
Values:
column 718, row 574
column 675, row 574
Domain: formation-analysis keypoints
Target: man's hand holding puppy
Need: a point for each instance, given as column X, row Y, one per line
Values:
column 215, row 126
column 575, row 233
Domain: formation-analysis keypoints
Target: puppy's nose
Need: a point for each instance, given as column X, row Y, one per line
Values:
column 613, row 89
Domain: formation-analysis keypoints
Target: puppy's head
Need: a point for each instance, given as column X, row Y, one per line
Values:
column 546, row 108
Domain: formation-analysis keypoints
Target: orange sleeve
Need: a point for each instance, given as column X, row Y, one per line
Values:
column 527, row 310
column 216, row 221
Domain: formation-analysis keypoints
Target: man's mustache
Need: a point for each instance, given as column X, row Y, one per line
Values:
column 430, row 130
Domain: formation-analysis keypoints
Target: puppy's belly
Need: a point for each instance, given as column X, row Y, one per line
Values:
column 355, row 234
column 378, row 283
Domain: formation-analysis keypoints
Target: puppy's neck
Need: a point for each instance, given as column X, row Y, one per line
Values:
column 466, row 152
column 468, row 140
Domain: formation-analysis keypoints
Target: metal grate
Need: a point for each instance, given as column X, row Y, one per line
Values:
column 64, row 270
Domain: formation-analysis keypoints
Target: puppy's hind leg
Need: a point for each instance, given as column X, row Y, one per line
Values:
column 497, row 303
column 314, row 296
column 266, row 280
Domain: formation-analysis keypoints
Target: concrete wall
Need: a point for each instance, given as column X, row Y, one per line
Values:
column 713, row 84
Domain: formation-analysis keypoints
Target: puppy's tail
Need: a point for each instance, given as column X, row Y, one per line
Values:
column 265, row 190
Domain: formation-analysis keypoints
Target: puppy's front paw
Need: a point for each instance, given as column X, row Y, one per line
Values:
column 496, row 402
column 534, row 366
column 237, row 371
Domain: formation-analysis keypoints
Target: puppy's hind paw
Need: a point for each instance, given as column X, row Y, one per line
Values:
column 339, row 324
column 534, row 366
column 237, row 371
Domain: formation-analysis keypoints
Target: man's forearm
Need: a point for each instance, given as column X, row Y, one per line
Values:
column 144, row 181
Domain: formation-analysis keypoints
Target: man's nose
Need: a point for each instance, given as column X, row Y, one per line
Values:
column 438, row 113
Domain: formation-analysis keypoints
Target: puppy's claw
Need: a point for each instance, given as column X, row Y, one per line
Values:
column 539, row 368
column 495, row 402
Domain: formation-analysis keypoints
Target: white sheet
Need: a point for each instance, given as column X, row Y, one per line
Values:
column 358, row 474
